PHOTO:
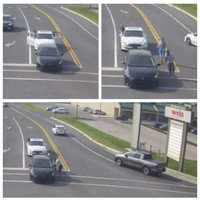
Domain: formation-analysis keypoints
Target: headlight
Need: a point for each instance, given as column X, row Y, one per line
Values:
column 60, row 62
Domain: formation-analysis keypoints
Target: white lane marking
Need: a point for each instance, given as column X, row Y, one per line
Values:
column 50, row 80
column 6, row 150
column 10, row 44
column 112, row 69
column 9, row 128
column 174, row 18
column 94, row 152
column 163, row 88
column 110, row 186
column 183, row 11
column 36, row 71
column 115, row 36
column 77, row 23
column 160, row 78
column 37, row 18
column 111, row 179
column 82, row 16
column 28, row 29
column 23, row 143
column 14, row 168
column 124, row 11
column 19, row 65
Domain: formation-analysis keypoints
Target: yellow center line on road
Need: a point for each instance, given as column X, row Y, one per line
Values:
column 65, row 40
column 153, row 30
column 50, row 140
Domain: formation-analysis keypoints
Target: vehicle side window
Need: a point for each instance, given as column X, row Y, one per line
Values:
column 136, row 155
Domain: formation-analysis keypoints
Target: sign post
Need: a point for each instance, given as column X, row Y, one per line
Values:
column 177, row 135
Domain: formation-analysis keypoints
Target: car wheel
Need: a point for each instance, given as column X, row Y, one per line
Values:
column 119, row 162
column 146, row 171
column 188, row 41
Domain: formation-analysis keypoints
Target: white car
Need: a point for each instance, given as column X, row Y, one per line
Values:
column 58, row 130
column 191, row 39
column 133, row 38
column 60, row 110
column 39, row 37
column 35, row 146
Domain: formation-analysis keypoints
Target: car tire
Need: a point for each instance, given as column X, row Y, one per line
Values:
column 125, row 80
column 146, row 170
column 188, row 41
column 119, row 162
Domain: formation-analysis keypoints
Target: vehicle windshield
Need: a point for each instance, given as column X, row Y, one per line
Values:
column 36, row 143
column 131, row 33
column 60, row 128
column 7, row 18
column 140, row 60
column 44, row 36
column 47, row 51
column 41, row 163
column 147, row 157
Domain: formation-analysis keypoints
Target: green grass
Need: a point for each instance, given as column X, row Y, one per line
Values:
column 98, row 135
column 190, row 8
column 34, row 108
column 85, row 11
column 189, row 166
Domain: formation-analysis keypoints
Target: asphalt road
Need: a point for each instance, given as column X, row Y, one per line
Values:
column 92, row 170
column 76, row 81
column 169, row 23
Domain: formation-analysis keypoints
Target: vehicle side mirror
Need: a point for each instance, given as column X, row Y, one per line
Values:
column 36, row 53
column 126, row 155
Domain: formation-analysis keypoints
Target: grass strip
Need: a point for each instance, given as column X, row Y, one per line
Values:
column 98, row 135
column 190, row 8
column 85, row 10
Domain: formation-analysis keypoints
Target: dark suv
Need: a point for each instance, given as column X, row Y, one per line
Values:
column 140, row 69
column 42, row 168
column 141, row 160
column 8, row 22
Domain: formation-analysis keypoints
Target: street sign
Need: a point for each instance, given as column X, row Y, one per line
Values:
column 178, row 114
column 175, row 139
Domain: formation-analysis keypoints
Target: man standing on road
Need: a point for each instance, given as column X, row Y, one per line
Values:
column 161, row 49
column 170, row 59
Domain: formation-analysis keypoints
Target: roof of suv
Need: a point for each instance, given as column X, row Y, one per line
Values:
column 37, row 139
column 139, row 52
column 133, row 28
column 44, row 32
column 41, row 156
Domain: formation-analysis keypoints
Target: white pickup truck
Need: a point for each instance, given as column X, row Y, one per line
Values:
column 39, row 37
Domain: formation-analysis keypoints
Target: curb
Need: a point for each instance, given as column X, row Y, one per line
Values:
column 113, row 151
column 78, row 14
column 182, row 176
column 183, row 11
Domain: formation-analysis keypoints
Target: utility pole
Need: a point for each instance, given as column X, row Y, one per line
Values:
column 136, row 126
column 77, row 110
